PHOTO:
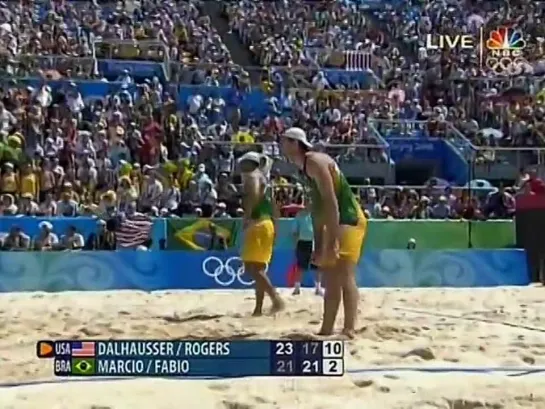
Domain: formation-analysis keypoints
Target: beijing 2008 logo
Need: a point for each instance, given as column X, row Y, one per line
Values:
column 226, row 272
column 505, row 47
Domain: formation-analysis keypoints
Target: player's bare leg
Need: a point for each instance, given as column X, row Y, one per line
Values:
column 263, row 286
column 350, row 294
column 332, row 298
column 253, row 270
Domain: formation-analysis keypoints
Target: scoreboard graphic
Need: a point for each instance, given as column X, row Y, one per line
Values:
column 218, row 359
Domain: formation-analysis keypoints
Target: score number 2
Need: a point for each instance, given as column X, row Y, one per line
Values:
column 284, row 348
column 333, row 367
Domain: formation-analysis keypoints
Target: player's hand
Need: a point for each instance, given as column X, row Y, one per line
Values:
column 316, row 257
column 327, row 256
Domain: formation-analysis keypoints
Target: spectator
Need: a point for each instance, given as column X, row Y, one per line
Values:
column 171, row 197
column 28, row 207
column 46, row 240
column 441, row 210
column 221, row 211
column 152, row 190
column 500, row 204
column 147, row 146
column 72, row 240
column 48, row 207
column 126, row 193
column 10, row 179
column 103, row 239
column 16, row 240
column 422, row 209
column 67, row 207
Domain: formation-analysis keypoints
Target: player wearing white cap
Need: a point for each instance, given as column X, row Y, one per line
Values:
column 259, row 212
column 339, row 228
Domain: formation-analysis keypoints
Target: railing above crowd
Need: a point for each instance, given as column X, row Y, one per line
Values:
column 272, row 79
column 144, row 58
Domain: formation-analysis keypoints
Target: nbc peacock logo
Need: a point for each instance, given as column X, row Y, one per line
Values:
column 505, row 42
column 505, row 51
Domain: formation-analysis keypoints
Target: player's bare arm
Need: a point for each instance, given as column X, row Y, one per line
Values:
column 250, row 189
column 318, row 228
column 318, row 170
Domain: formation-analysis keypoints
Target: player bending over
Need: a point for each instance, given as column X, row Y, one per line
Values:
column 258, row 225
column 339, row 230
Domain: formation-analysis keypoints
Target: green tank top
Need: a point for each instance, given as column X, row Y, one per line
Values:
column 350, row 211
column 264, row 208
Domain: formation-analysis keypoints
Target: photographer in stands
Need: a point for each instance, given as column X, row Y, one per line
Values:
column 16, row 240
column 45, row 240
column 72, row 240
column 104, row 237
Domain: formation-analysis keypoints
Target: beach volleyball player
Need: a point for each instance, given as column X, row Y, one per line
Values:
column 339, row 228
column 258, row 241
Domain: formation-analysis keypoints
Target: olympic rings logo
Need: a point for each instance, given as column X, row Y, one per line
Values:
column 226, row 273
column 506, row 65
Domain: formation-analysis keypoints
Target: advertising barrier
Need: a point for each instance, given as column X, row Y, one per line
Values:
column 162, row 270
column 196, row 235
column 183, row 234
column 441, row 234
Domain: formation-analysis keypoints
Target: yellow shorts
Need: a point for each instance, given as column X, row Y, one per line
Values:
column 258, row 242
column 352, row 240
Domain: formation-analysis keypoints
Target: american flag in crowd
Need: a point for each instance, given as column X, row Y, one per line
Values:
column 357, row 60
column 83, row 349
column 134, row 231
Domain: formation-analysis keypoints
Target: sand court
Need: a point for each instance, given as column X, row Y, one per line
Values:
column 432, row 328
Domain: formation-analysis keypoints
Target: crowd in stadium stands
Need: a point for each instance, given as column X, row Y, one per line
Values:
column 462, row 84
column 142, row 150
column 281, row 33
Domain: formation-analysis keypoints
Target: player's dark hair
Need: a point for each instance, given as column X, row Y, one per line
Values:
column 254, row 165
column 302, row 146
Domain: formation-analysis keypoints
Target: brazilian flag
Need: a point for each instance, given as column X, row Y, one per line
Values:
column 197, row 234
column 83, row 366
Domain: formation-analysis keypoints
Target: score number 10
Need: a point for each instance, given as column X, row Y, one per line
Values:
column 333, row 358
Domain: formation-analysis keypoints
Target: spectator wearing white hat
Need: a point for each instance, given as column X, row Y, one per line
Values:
column 7, row 204
column 221, row 211
column 74, row 100
column 45, row 240
column 442, row 209
column 43, row 96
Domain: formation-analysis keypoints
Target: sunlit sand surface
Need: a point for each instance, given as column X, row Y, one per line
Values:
column 498, row 327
